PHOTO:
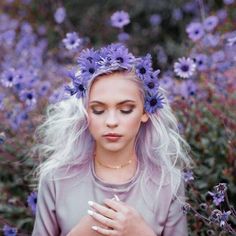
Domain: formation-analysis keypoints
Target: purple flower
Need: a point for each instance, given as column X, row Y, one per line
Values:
column 151, row 85
column 123, row 37
column 60, row 15
column 89, row 55
column 222, row 14
column 2, row 96
column 224, row 217
column 221, row 188
column 210, row 23
column 2, row 138
column 122, row 56
column 186, row 208
column 72, row 41
column 195, row 31
column 32, row 201
column 43, row 88
column 186, row 89
column 8, row 37
column 155, row 19
column 211, row 40
column 8, row 77
column 58, row 95
column 218, row 56
column 153, row 102
column 217, row 197
column 185, row 67
column 232, row 41
column 79, row 85
column 144, row 67
column 215, row 216
column 228, row 2
column 9, row 231
column 187, row 175
column 177, row 14
column 202, row 61
column 119, row 19
column 29, row 97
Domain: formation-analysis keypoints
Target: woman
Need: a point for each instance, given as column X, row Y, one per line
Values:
column 114, row 154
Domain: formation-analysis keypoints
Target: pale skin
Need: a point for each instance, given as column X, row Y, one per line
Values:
column 115, row 106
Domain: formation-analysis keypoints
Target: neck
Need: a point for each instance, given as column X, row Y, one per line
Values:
column 115, row 158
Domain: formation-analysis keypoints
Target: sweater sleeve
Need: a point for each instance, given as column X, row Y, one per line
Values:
column 176, row 223
column 45, row 220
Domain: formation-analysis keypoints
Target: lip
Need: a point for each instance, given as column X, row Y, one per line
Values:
column 112, row 135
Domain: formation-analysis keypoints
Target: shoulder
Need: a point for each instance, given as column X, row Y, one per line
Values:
column 63, row 174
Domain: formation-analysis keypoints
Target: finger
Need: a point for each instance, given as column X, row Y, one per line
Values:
column 103, row 210
column 104, row 231
column 102, row 219
column 118, row 206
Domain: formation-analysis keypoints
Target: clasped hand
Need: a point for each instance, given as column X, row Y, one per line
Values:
column 118, row 218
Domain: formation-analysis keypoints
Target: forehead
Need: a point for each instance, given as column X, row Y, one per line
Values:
column 114, row 88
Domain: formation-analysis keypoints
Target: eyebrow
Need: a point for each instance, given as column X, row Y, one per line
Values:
column 119, row 103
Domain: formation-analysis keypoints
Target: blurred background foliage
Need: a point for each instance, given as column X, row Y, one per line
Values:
column 207, row 115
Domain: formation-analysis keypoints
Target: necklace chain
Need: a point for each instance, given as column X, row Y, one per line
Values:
column 114, row 167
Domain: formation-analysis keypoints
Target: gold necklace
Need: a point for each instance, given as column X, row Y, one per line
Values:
column 114, row 167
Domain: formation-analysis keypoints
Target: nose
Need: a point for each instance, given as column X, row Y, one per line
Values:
column 111, row 119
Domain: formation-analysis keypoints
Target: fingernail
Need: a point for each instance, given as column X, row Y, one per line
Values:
column 94, row 227
column 90, row 203
column 90, row 212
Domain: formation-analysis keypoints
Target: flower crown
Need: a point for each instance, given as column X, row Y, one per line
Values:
column 116, row 57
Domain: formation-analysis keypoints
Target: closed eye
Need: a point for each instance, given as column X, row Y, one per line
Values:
column 97, row 112
column 126, row 111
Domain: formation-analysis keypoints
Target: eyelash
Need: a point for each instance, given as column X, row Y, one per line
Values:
column 122, row 111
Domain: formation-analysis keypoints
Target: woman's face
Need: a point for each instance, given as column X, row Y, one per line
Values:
column 115, row 112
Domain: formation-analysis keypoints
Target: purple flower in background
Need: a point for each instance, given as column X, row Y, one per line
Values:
column 224, row 217
column 153, row 103
column 8, row 77
column 217, row 197
column 58, row 95
column 123, row 37
column 32, row 201
column 210, row 23
column 8, row 37
column 195, row 31
column 221, row 188
column 119, row 19
column 43, row 88
column 161, row 56
column 187, row 176
column 155, row 19
column 228, row 2
column 202, row 61
column 190, row 7
column 185, row 67
column 72, row 41
column 211, row 40
column 218, row 56
column 29, row 97
column 2, row 138
column 221, row 14
column 231, row 41
column 215, row 216
column 177, row 14
column 60, row 15
column 186, row 89
column 9, row 231
column 2, row 96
